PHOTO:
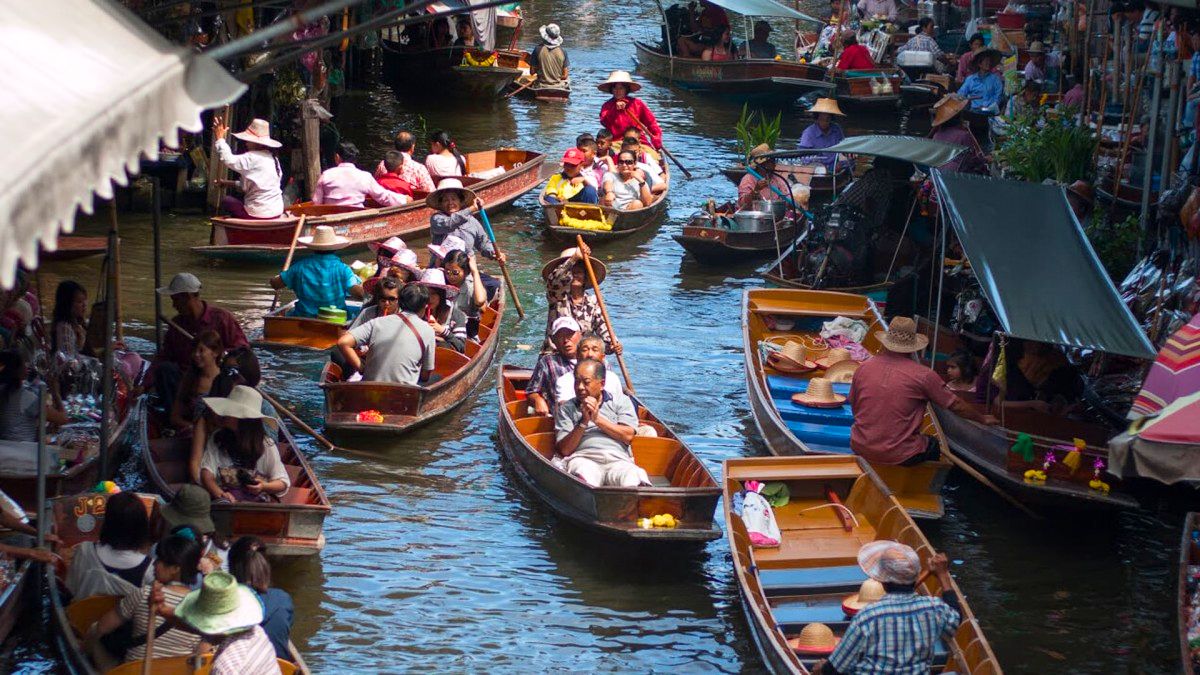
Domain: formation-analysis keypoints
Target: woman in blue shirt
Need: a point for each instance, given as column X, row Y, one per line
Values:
column 984, row 87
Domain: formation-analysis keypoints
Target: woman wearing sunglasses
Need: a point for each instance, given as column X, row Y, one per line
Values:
column 624, row 190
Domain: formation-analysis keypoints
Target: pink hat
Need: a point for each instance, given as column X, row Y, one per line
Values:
column 392, row 244
column 450, row 243
column 573, row 156
column 407, row 259
column 436, row 278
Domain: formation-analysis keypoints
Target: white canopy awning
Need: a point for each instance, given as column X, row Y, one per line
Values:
column 88, row 88
column 763, row 8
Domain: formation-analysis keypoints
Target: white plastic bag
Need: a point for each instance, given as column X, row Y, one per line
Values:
column 760, row 521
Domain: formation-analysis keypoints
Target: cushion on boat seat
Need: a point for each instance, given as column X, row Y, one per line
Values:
column 809, row 579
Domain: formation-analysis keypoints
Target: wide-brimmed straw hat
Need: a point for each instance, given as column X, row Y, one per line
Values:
column 889, row 562
column 324, row 239
column 827, row 105
column 551, row 34
column 842, row 372
column 833, row 356
column 758, row 154
column 618, row 77
column 815, row 639
column 191, row 505
column 221, row 606
column 258, row 131
column 819, row 394
column 436, row 278
column 598, row 267
column 792, row 357
column 902, row 336
column 993, row 54
column 450, row 243
column 244, row 403
column 870, row 591
column 447, row 186
column 947, row 108
column 392, row 244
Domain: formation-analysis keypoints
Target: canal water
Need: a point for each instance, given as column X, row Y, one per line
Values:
column 436, row 560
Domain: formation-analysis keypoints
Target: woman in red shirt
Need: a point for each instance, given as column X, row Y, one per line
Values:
column 622, row 111
column 854, row 55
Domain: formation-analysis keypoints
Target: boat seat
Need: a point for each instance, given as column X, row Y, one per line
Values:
column 783, row 386
column 82, row 613
column 800, row 580
column 660, row 481
column 297, row 495
column 793, row 615
column 295, row 473
column 825, row 547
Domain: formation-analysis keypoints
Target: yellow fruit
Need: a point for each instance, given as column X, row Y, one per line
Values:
column 659, row 520
column 645, row 523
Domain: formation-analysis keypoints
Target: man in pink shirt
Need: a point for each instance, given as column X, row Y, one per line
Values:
column 889, row 394
column 346, row 185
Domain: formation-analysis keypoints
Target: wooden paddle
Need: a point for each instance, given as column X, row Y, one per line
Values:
column 532, row 78
column 974, row 473
column 291, row 252
column 587, row 263
column 512, row 290
column 687, row 174
column 150, row 628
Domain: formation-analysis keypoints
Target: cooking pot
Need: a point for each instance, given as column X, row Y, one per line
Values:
column 754, row 221
column 777, row 207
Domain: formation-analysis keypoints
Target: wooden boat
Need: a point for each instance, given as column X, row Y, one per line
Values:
column 720, row 243
column 73, row 248
column 74, row 520
column 407, row 406
column 807, row 578
column 554, row 94
column 282, row 330
column 412, row 72
column 683, row 486
column 290, row 527
column 757, row 80
column 823, row 187
column 1188, row 557
column 13, row 598
column 269, row 240
column 775, row 315
column 783, row 275
column 854, row 91
column 621, row 223
column 1126, row 196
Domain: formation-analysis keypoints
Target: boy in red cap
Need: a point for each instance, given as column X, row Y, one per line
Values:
column 569, row 185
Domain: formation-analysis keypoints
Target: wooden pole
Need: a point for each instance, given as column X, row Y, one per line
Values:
column 217, row 171
column 512, row 290
column 311, row 143
column 114, row 270
column 1137, row 100
column 291, row 252
column 1103, row 93
column 149, row 655
column 157, row 222
column 587, row 263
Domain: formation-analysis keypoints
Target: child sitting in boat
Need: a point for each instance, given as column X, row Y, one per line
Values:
column 961, row 372
column 453, row 217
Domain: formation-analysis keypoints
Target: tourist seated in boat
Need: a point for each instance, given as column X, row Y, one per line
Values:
column 444, row 160
column 258, row 167
column 1027, row 102
column 1073, row 98
column 320, row 279
column 984, row 87
column 249, row 565
column 462, row 272
column 823, row 132
column 394, row 260
column 189, row 514
column 119, row 561
column 21, row 401
column 854, row 56
column 400, row 346
column 570, row 185
column 390, row 179
column 566, row 294
column 541, row 389
column 464, row 30
column 207, row 352
column 723, row 49
column 648, row 168
column 411, row 171
column 903, row 628
column 72, row 358
column 870, row 9
column 751, row 187
column 240, row 462
column 889, row 395
column 594, row 430
column 974, row 45
column 176, row 563
column 623, row 111
column 1035, row 69
column 594, row 167
column 590, row 346
column 384, row 301
column 704, row 30
column 760, row 47
column 228, row 616
column 454, row 207
column 923, row 41
column 949, row 127
column 624, row 190
column 549, row 60
column 448, row 322
column 604, row 145
column 344, row 184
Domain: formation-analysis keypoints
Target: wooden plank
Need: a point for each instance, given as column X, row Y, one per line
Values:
column 796, row 471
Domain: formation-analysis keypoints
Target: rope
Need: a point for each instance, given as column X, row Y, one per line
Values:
column 837, row 506
column 896, row 253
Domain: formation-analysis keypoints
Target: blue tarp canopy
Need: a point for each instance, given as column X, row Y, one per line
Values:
column 1036, row 266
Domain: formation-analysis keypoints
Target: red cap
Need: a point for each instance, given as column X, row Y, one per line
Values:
column 573, row 156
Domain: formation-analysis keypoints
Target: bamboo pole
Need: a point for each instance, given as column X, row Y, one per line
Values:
column 291, row 252
column 149, row 655
column 587, row 263
column 1132, row 119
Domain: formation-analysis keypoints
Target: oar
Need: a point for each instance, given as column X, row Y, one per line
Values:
column 587, row 263
column 786, row 198
column 533, row 78
column 512, row 290
column 687, row 174
column 971, row 471
column 291, row 252
column 150, row 629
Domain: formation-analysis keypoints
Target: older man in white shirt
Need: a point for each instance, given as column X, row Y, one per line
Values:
column 258, row 168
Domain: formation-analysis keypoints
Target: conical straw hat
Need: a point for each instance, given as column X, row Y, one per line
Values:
column 826, row 105
column 819, row 395
column 815, row 638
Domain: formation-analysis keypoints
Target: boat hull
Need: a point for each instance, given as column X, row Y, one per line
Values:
column 623, row 223
column 14, row 597
column 284, row 331
column 717, row 244
column 757, row 80
column 1190, row 522
column 854, row 93
column 413, row 72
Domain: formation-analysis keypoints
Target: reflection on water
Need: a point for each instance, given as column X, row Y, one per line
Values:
column 435, row 559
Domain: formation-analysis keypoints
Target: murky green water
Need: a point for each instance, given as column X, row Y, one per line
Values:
column 437, row 560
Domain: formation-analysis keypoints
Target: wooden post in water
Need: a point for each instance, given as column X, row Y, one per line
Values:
column 311, row 142
column 217, row 171
column 114, row 270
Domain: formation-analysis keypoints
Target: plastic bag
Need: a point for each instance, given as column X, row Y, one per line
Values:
column 759, row 520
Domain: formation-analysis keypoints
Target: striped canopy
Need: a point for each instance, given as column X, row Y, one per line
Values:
column 1175, row 373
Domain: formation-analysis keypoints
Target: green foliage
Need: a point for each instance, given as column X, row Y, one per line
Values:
column 1039, row 149
column 1115, row 243
column 751, row 134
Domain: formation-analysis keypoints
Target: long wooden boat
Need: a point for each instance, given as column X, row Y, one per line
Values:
column 74, row 520
column 269, row 240
column 73, row 248
column 13, row 597
column 404, row 407
column 293, row 526
column 876, row 291
column 552, row 94
column 683, row 486
column 1188, row 557
column 721, row 244
column 855, row 93
column 775, row 315
column 412, row 72
column 821, row 188
column 815, row 568
column 1126, row 195
column 280, row 329
column 756, row 80
column 621, row 223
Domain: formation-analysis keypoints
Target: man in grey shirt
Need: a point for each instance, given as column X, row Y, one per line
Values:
column 593, row 431
column 400, row 347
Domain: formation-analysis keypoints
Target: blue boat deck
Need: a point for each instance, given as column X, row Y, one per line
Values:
column 821, row 429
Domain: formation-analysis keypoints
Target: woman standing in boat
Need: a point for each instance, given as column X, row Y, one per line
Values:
column 622, row 111
column 948, row 127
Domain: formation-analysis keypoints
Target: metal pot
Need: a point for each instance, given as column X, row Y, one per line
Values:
column 777, row 207
column 701, row 219
column 754, row 221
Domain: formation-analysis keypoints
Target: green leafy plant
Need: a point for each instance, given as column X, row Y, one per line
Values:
column 1039, row 149
column 751, row 134
column 1114, row 242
